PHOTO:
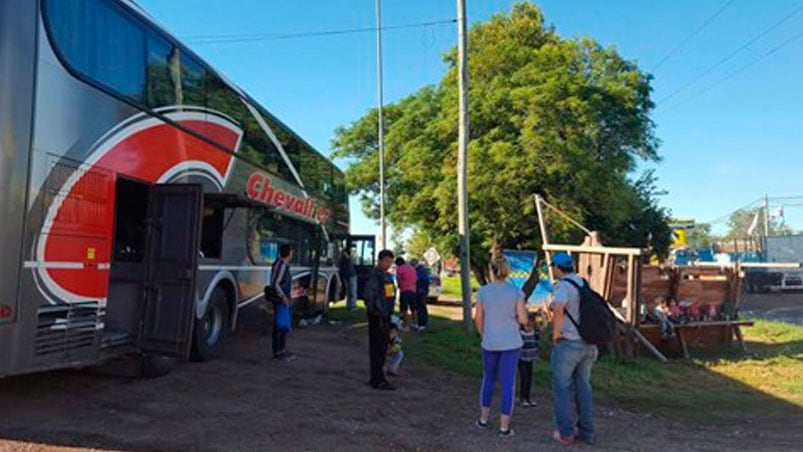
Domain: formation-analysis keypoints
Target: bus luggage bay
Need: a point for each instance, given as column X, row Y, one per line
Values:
column 143, row 196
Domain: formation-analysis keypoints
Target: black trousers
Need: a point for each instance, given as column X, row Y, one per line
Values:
column 278, row 337
column 421, row 308
column 377, row 346
column 525, row 379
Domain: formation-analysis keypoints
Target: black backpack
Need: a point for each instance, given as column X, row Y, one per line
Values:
column 597, row 323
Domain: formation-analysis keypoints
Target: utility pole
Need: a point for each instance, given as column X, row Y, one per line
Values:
column 462, row 167
column 380, row 125
column 766, row 215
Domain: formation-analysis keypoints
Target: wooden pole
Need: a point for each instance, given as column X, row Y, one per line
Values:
column 645, row 342
column 631, row 292
column 544, row 235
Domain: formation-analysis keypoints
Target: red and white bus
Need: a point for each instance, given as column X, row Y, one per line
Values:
column 143, row 197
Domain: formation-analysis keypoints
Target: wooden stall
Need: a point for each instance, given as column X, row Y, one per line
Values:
column 710, row 295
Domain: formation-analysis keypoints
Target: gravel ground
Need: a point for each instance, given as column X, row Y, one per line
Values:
column 319, row 402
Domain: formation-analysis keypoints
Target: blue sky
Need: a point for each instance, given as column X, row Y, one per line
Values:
column 726, row 140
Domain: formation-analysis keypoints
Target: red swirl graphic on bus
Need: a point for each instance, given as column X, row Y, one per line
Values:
column 74, row 249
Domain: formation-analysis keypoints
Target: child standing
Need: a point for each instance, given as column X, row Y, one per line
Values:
column 395, row 353
column 531, row 336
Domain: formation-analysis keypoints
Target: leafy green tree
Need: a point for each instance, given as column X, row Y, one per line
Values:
column 565, row 118
column 741, row 220
column 701, row 236
column 418, row 243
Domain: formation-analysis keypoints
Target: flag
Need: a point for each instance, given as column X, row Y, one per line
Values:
column 521, row 264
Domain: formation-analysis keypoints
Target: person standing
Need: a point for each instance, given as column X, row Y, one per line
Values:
column 422, row 293
column 530, row 336
column 572, row 358
column 406, row 275
column 379, row 296
column 281, row 283
column 348, row 274
column 499, row 314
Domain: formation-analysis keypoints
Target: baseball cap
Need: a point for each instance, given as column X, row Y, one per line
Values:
column 563, row 260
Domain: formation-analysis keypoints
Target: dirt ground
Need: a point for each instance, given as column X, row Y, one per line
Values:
column 319, row 402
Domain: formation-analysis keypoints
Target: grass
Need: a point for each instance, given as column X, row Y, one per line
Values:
column 734, row 385
column 450, row 285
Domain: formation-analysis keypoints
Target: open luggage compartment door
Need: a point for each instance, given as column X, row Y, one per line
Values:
column 174, row 228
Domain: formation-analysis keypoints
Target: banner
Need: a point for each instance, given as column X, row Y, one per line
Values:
column 521, row 265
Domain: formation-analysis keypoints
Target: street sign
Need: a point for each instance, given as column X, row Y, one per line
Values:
column 432, row 256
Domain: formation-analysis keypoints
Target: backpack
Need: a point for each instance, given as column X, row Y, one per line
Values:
column 597, row 323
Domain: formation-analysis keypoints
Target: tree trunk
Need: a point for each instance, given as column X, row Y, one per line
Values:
column 481, row 273
column 532, row 281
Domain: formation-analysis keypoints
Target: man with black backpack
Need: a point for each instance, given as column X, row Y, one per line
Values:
column 572, row 356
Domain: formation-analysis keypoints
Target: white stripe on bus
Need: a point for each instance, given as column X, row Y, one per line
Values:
column 107, row 265
column 249, row 301
column 64, row 265
column 244, row 268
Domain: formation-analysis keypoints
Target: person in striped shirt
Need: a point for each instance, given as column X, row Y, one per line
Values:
column 530, row 336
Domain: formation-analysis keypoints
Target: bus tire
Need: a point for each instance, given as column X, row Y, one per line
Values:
column 154, row 366
column 212, row 330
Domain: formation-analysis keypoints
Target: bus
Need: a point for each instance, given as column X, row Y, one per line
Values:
column 143, row 195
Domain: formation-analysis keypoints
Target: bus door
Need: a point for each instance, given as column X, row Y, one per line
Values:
column 363, row 251
column 174, row 215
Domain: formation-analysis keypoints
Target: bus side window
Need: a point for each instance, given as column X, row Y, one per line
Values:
column 263, row 240
column 116, row 60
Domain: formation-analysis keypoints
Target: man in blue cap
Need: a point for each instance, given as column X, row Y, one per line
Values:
column 572, row 358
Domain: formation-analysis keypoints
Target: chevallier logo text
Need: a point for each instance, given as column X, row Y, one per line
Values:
column 261, row 189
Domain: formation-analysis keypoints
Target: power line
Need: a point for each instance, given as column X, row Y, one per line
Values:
column 727, row 215
column 730, row 56
column 231, row 39
column 739, row 70
column 692, row 35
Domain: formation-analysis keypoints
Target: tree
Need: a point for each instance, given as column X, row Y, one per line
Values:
column 418, row 243
column 565, row 118
column 740, row 222
column 701, row 237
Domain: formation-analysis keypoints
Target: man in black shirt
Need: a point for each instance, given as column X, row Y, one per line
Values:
column 380, row 295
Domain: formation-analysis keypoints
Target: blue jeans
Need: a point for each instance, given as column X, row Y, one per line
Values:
column 571, row 384
column 502, row 365
column 351, row 292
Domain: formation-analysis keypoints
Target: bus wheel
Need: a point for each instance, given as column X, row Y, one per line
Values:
column 212, row 330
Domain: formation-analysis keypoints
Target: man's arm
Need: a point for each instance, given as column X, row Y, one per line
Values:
column 370, row 294
column 557, row 320
column 277, row 283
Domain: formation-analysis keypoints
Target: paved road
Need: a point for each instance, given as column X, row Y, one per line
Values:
column 784, row 307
